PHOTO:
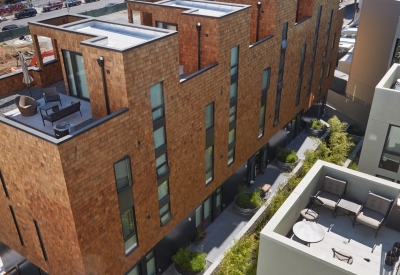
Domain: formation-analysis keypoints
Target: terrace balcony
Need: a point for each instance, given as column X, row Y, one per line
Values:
column 281, row 253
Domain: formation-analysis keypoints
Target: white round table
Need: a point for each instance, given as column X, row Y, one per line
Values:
column 310, row 232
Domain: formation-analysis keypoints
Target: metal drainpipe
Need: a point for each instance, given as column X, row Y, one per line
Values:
column 198, row 28
column 100, row 61
column 258, row 19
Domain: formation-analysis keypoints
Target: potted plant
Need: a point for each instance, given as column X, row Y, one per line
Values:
column 316, row 128
column 287, row 158
column 248, row 203
column 188, row 262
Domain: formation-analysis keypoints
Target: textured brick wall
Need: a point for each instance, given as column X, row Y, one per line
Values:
column 35, row 181
column 304, row 9
column 87, row 160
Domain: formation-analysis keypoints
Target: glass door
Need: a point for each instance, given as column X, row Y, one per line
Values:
column 217, row 203
column 76, row 74
column 207, row 213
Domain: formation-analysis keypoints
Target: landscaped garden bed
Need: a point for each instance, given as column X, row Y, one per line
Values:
column 316, row 128
column 287, row 158
column 248, row 203
column 242, row 258
column 188, row 262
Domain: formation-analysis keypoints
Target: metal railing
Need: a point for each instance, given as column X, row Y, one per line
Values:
column 105, row 10
column 14, row 33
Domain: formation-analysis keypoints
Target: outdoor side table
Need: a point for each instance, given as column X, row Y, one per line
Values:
column 348, row 205
column 309, row 232
column 48, row 106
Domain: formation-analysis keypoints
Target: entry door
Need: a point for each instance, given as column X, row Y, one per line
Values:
column 199, row 218
column 264, row 158
column 207, row 213
column 217, row 203
column 298, row 122
column 76, row 74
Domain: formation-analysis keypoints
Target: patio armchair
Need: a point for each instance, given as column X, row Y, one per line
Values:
column 342, row 256
column 374, row 212
column 26, row 105
column 331, row 193
column 51, row 95
column 311, row 213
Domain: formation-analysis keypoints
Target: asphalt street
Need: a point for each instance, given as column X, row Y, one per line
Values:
column 45, row 15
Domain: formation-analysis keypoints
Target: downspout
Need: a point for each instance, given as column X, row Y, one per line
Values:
column 198, row 28
column 100, row 61
column 258, row 19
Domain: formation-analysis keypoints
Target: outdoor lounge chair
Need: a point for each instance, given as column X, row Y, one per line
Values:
column 374, row 212
column 26, row 105
column 342, row 256
column 311, row 213
column 51, row 95
column 331, row 193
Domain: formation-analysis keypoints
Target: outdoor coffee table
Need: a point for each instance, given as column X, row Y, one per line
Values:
column 309, row 232
column 348, row 205
column 48, row 106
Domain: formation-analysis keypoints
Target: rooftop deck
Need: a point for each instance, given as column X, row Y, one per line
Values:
column 359, row 242
column 203, row 8
column 10, row 111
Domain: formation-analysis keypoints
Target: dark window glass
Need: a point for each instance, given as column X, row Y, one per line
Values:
column 319, row 16
column 261, row 122
column 266, row 79
column 3, row 183
column 166, row 25
column 150, row 263
column 159, row 137
column 333, row 41
column 232, row 114
column 231, row 136
column 396, row 53
column 330, row 20
column 16, row 225
column 122, row 173
column 284, row 31
column 209, row 115
column 231, row 155
column 165, row 214
column 391, row 152
column 162, row 165
column 157, row 101
column 163, row 190
column 209, row 164
column 234, row 60
column 134, row 271
column 233, row 90
column 298, row 92
column 303, row 53
column 328, row 71
column 128, row 230
column 40, row 240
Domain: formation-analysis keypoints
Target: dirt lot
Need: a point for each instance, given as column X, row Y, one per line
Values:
column 9, row 51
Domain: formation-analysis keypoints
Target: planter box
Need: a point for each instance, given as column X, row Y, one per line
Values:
column 287, row 166
column 176, row 272
column 316, row 133
column 244, row 211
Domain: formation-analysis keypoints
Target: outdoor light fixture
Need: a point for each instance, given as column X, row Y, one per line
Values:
column 198, row 28
column 100, row 61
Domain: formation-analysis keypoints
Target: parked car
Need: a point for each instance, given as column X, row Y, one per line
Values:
column 90, row 1
column 52, row 6
column 110, row 4
column 72, row 3
column 9, row 27
column 2, row 19
column 27, row 12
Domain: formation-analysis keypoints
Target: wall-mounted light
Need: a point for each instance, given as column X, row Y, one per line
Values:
column 198, row 26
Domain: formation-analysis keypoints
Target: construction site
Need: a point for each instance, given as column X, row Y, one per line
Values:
column 9, row 53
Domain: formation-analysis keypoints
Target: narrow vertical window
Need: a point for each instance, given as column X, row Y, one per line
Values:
column 16, row 225
column 157, row 101
column 330, row 20
column 231, row 156
column 150, row 263
column 261, row 122
column 123, row 175
column 209, row 164
column 209, row 115
column 165, row 214
column 232, row 114
column 280, row 73
column 264, row 91
column 3, row 183
column 328, row 71
column 234, row 60
column 300, row 80
column 129, row 230
column 333, row 41
column 40, row 240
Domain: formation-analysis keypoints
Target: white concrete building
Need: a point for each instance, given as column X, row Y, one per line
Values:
column 380, row 155
column 281, row 254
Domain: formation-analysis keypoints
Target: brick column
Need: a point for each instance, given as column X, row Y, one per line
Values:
column 37, row 51
column 130, row 15
column 55, row 49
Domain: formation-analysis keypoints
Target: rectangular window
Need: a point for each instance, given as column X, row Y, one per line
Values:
column 16, row 225
column 231, row 155
column 157, row 101
column 150, row 263
column 134, row 271
column 123, row 175
column 165, row 214
column 310, row 79
column 129, row 230
column 166, row 25
column 159, row 137
column 231, row 138
column 284, row 30
column 333, row 41
column 210, row 115
column 303, row 54
column 328, row 71
column 319, row 16
column 396, row 53
column 40, row 240
column 261, row 122
column 234, row 60
column 321, row 73
column 162, row 165
column 233, row 91
column 232, row 114
column 163, row 190
column 3, row 183
column 298, row 92
column 330, row 20
column 209, row 164
column 391, row 151
column 266, row 79
column 326, row 41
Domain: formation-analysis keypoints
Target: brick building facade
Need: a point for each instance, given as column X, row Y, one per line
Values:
column 69, row 186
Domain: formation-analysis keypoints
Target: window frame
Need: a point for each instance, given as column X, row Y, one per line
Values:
column 161, row 106
column 212, row 115
column 385, row 151
column 333, row 41
column 394, row 58
column 261, row 123
column 233, row 66
column 3, row 183
column 129, row 174
column 165, row 163
column 165, row 24
column 211, row 169
column 232, row 159
column 168, row 211
column 132, row 248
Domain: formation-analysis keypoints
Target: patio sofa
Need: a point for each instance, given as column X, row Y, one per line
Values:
column 74, row 107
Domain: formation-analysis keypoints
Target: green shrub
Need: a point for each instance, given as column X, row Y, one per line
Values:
column 190, row 261
column 286, row 155
column 317, row 125
column 248, row 200
column 353, row 165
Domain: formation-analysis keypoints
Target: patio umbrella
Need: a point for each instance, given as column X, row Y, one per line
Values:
column 27, row 79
